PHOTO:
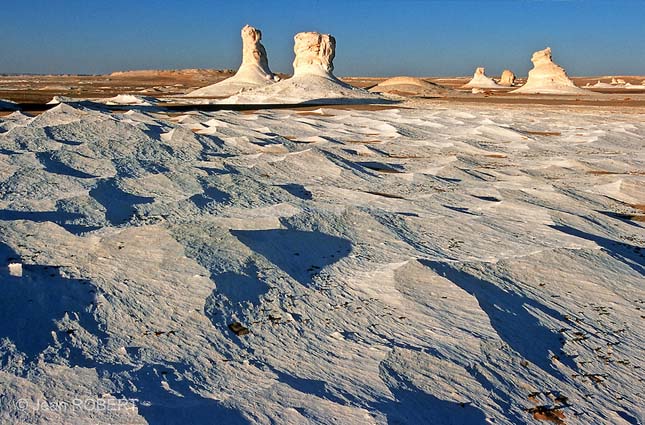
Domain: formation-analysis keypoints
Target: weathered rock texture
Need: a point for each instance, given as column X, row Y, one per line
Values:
column 314, row 54
column 547, row 77
column 480, row 80
column 254, row 71
column 507, row 79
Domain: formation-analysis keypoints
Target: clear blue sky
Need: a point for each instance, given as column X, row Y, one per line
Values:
column 374, row 37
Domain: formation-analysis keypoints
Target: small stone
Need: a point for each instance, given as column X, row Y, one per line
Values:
column 15, row 269
column 238, row 329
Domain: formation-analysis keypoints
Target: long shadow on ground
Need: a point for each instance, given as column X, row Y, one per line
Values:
column 179, row 404
column 510, row 318
column 32, row 304
column 630, row 255
column 119, row 205
column 412, row 405
column 62, row 218
column 54, row 165
column 300, row 254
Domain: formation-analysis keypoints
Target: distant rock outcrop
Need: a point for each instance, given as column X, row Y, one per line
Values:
column 546, row 77
column 254, row 71
column 411, row 86
column 599, row 85
column 507, row 79
column 480, row 80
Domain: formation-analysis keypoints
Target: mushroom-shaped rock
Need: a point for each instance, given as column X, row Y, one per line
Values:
column 254, row 71
column 507, row 79
column 313, row 81
column 480, row 80
column 547, row 77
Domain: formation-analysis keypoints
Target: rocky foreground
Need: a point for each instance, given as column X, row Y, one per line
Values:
column 428, row 265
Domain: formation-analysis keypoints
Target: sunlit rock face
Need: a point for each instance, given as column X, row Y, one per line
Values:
column 253, row 72
column 480, row 80
column 547, row 77
column 255, row 61
column 314, row 54
column 507, row 79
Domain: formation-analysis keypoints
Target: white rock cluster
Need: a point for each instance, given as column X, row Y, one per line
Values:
column 313, row 81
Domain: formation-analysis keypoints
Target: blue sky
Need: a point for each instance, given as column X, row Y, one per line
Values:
column 374, row 37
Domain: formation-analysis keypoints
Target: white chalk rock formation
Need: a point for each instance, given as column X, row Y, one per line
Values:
column 481, row 81
column 507, row 79
column 617, row 81
column 411, row 86
column 254, row 71
column 314, row 54
column 313, row 81
column 546, row 77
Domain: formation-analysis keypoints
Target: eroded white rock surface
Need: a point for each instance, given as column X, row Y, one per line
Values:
column 442, row 264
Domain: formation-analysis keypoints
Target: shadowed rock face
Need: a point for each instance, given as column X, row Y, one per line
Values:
column 314, row 54
column 546, row 76
column 507, row 79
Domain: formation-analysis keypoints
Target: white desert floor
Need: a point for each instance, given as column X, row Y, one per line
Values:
column 441, row 264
